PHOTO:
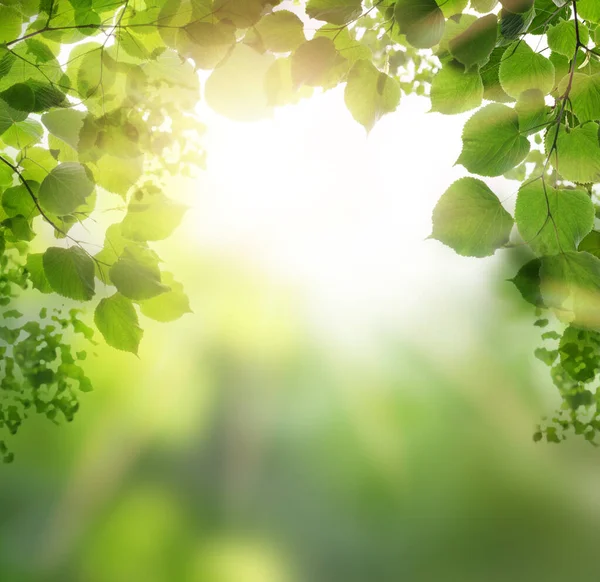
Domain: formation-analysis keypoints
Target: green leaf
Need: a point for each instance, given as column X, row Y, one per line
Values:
column 46, row 96
column 519, row 173
column 18, row 200
column 12, row 314
column 243, row 13
column 114, row 245
column 70, row 272
column 421, row 21
column 562, row 37
column 27, row 8
column 65, row 188
column 281, row 31
column 546, row 356
column 492, row 89
column 208, row 43
column 553, row 221
column 584, row 95
column 513, row 25
column 9, row 335
column 87, row 68
column 370, row 94
column 577, row 154
column 527, row 281
column 20, row 97
column 334, row 11
column 492, row 142
column 349, row 48
column 589, row 10
column 136, row 275
column 455, row 27
column 37, row 275
column 175, row 15
column 580, row 353
column 571, row 285
column 151, row 216
column 10, row 24
column 8, row 116
column 470, row 219
column 279, row 86
column 66, row 124
column 546, row 14
column 475, row 45
column 168, row 306
column 23, row 134
column 523, row 69
column 313, row 62
column 453, row 7
column 116, row 174
column 591, row 243
column 6, row 175
column 37, row 164
column 116, row 319
column 236, row 88
column 19, row 227
column 534, row 114
column 517, row 6
column 30, row 62
column 455, row 91
column 483, row 6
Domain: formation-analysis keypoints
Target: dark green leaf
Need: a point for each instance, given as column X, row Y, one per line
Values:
column 70, row 272
column 474, row 45
column 65, row 188
column 136, row 275
column 421, row 21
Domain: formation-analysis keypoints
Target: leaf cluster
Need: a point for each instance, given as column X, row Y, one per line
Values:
column 98, row 108
column 532, row 72
column 98, row 104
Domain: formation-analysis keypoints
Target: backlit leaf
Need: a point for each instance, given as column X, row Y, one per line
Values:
column 571, row 285
column 474, row 45
column 65, row 188
column 117, row 321
column 421, row 21
column 334, row 11
column 168, row 306
column 136, row 275
column 577, row 153
column 236, row 88
column 455, row 90
column 70, row 272
column 370, row 94
column 553, row 221
column 470, row 219
column 522, row 69
column 492, row 142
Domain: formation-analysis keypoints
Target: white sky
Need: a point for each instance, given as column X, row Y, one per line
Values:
column 340, row 216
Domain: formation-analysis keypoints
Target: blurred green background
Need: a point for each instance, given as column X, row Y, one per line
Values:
column 240, row 448
column 357, row 407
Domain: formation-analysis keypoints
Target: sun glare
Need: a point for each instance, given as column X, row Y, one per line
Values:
column 340, row 215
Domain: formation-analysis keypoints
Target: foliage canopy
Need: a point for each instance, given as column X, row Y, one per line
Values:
column 97, row 109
